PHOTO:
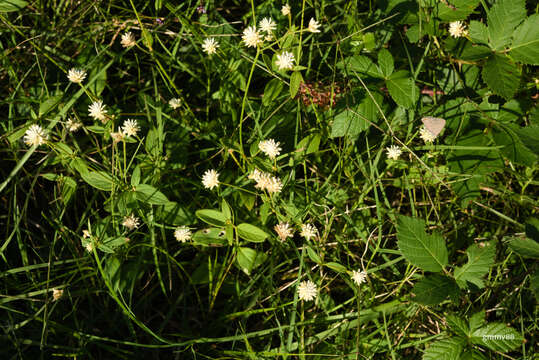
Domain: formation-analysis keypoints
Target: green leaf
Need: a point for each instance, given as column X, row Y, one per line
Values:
column 534, row 284
column 427, row 252
column 477, row 320
column 212, row 217
column 525, row 247
column 478, row 32
column 175, row 214
column 434, row 289
column 448, row 349
column 336, row 267
column 360, row 64
column 529, row 136
column 295, row 82
column 385, row 62
column 251, row 233
column 49, row 104
column 458, row 325
column 97, row 86
column 453, row 10
column 12, row 5
column 497, row 337
column 308, row 145
column 472, row 355
column 313, row 255
column 502, row 19
column 210, row 237
column 402, row 89
column 511, row 136
column 351, row 122
column 480, row 259
column 99, row 179
column 525, row 47
column 501, row 75
column 153, row 143
column 249, row 259
column 271, row 91
column 532, row 228
column 150, row 195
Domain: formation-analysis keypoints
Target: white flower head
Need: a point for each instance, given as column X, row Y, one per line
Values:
column 128, row 40
column 175, row 103
column 285, row 60
column 359, row 276
column 267, row 25
column 308, row 231
column 283, row 230
column 274, row 185
column 57, row 293
column 86, row 234
column 457, row 29
column 270, row 148
column 251, row 37
column 130, row 127
column 76, row 75
column 35, row 135
column 393, row 152
column 265, row 181
column 426, row 135
column 255, row 175
column 285, row 10
column 210, row 46
column 72, row 125
column 210, row 179
column 117, row 136
column 89, row 246
column 313, row 26
column 182, row 234
column 131, row 222
column 307, row 290
column 97, row 111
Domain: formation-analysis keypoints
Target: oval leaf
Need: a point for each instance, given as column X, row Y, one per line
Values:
column 150, row 195
column 251, row 233
column 212, row 217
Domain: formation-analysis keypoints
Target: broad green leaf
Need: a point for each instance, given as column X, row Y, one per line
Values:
column 360, row 64
column 402, row 89
column 12, row 5
column 503, row 17
column 336, row 267
column 501, row 75
column 529, row 136
column 150, row 195
column 49, row 104
column 497, row 337
column 313, row 255
column 249, row 259
column 210, row 237
column 271, row 91
column 477, row 320
column 351, row 122
column 308, row 144
column 478, row 32
column 480, row 259
column 458, row 325
column 153, row 143
column 212, row 217
column 99, row 179
column 427, row 252
column 525, row 47
column 68, row 187
column 251, row 233
column 532, row 228
column 472, row 355
column 98, row 85
column 434, row 289
column 295, row 82
column 525, row 247
column 453, row 10
column 511, row 136
column 448, row 349
column 385, row 62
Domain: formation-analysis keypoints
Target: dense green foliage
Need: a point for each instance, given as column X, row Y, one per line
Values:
column 405, row 164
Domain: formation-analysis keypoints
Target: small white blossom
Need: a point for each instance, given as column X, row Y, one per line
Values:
column 274, row 185
column 86, row 234
column 255, row 175
column 393, row 152
column 270, row 148
column 97, row 111
column 426, row 135
column 307, row 290
column 130, row 127
column 308, row 231
column 265, row 181
column 76, row 75
column 128, row 40
column 131, row 222
column 251, row 37
column 285, row 10
column 313, row 26
column 57, row 293
column 359, row 276
column 72, row 125
column 35, row 135
column 457, row 29
column 117, row 136
column 267, row 25
column 210, row 46
column 285, row 60
column 210, row 179
column 89, row 247
column 283, row 230
column 175, row 103
column 182, row 234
